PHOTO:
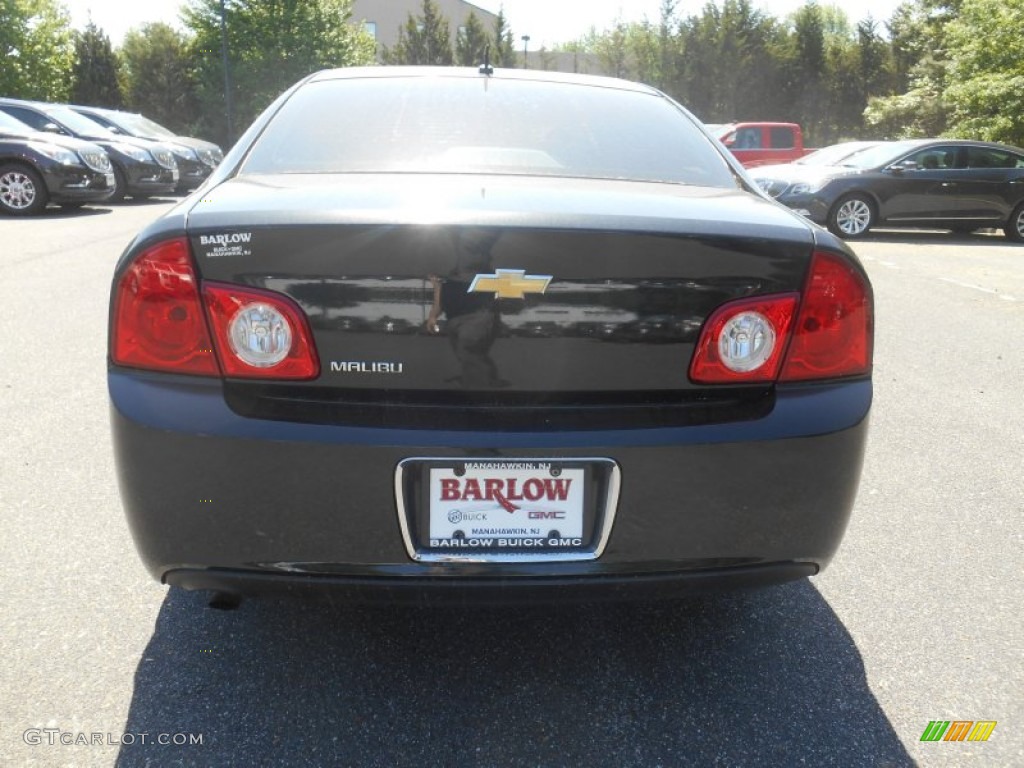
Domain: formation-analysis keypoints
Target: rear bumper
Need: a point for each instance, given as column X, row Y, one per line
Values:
column 218, row 501
column 425, row 590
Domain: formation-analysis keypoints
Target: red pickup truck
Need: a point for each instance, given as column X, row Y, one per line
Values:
column 762, row 143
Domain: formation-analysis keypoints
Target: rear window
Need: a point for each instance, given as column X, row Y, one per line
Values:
column 485, row 125
column 783, row 137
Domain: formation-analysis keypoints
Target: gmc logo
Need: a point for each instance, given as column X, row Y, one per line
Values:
column 541, row 515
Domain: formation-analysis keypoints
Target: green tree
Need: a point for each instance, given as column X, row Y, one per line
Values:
column 94, row 79
column 38, row 50
column 156, row 76
column 869, row 74
column 611, row 50
column 985, row 87
column 809, row 70
column 844, row 95
column 548, row 59
column 874, row 64
column 471, row 42
column 504, row 53
column 272, row 44
column 918, row 39
column 643, row 48
column 730, row 64
column 669, row 77
column 630, row 50
column 425, row 39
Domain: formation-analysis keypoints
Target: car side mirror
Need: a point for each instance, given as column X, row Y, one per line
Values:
column 52, row 128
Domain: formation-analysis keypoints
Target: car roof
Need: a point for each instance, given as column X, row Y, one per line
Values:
column 527, row 75
column 44, row 106
column 26, row 102
column 920, row 143
column 99, row 110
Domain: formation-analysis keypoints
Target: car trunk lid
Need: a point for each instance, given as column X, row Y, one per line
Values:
column 443, row 289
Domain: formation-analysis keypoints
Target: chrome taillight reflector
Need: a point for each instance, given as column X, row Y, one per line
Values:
column 260, row 334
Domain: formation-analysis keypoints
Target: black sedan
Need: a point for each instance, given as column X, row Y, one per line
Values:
column 142, row 168
column 40, row 168
column 196, row 158
column 357, row 362
column 934, row 183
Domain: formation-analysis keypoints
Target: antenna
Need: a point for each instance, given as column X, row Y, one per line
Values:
column 486, row 68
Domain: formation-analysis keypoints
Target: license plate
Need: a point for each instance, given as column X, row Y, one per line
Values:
column 484, row 510
column 506, row 505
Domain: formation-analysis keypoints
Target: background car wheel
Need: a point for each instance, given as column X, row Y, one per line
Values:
column 852, row 216
column 1014, row 228
column 22, row 191
column 120, row 186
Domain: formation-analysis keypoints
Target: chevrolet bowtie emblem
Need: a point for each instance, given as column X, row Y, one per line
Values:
column 509, row 284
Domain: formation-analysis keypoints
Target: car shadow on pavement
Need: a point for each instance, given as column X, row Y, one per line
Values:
column 760, row 678
column 157, row 200
column 80, row 212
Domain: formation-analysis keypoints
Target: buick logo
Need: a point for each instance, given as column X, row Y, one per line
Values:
column 455, row 516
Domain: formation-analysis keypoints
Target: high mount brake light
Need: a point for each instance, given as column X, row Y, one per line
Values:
column 746, row 341
column 162, row 321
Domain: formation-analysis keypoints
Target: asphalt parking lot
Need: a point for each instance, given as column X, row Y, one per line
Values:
column 918, row 618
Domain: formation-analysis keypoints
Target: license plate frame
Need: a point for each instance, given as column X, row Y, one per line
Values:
column 571, row 501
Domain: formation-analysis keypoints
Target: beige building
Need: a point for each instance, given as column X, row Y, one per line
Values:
column 383, row 18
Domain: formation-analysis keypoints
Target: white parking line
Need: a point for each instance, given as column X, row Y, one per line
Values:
column 993, row 291
column 889, row 264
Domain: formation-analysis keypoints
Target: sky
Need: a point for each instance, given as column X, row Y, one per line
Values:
column 547, row 22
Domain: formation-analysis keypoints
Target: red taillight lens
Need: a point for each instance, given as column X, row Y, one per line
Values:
column 158, row 320
column 833, row 334
column 260, row 334
column 831, row 337
column 743, row 341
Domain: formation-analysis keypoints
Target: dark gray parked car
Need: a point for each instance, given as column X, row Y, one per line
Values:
column 943, row 183
column 196, row 158
column 41, row 168
column 142, row 168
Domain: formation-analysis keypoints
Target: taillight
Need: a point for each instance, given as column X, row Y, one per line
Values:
column 743, row 341
column 758, row 340
column 260, row 334
column 833, row 334
column 158, row 320
column 163, row 318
